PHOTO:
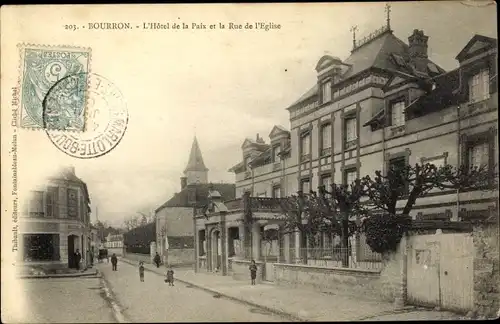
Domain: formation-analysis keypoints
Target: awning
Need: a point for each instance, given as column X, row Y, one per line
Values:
column 377, row 118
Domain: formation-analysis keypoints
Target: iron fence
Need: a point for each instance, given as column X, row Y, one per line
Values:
column 329, row 257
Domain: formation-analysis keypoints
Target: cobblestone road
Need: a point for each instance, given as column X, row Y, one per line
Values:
column 154, row 301
column 62, row 300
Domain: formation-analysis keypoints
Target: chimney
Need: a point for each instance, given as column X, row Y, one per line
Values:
column 183, row 182
column 418, row 50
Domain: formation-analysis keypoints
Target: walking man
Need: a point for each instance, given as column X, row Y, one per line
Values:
column 157, row 260
column 114, row 262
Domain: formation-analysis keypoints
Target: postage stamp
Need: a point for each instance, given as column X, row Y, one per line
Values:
column 107, row 118
column 41, row 68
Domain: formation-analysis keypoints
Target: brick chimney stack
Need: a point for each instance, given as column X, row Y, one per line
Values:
column 418, row 50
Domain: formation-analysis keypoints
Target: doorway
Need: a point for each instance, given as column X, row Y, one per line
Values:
column 71, row 251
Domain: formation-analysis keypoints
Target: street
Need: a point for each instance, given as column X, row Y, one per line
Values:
column 62, row 300
column 154, row 301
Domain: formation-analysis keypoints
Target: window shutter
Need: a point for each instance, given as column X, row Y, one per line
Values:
column 493, row 68
column 491, row 151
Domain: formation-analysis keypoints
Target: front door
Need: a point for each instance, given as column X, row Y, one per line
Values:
column 71, row 251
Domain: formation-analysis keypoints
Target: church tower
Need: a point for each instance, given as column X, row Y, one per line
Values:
column 196, row 171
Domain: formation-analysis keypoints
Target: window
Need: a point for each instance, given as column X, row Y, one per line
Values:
column 41, row 247
column 304, row 145
column 276, row 152
column 276, row 192
column 326, row 181
column 350, row 129
column 478, row 155
column 350, row 175
column 438, row 162
column 36, row 204
column 396, row 165
column 326, row 91
column 479, row 86
column 326, row 139
column 72, row 203
column 398, row 113
column 305, row 186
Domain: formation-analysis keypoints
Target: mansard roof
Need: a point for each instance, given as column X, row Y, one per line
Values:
column 195, row 162
column 201, row 190
column 385, row 52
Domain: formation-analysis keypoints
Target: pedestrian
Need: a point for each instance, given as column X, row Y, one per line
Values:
column 114, row 262
column 78, row 257
column 157, row 260
column 141, row 271
column 170, row 276
column 253, row 271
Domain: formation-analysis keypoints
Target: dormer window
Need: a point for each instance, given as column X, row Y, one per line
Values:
column 398, row 113
column 326, row 91
column 479, row 86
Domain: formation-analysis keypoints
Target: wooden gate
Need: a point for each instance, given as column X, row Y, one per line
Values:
column 440, row 271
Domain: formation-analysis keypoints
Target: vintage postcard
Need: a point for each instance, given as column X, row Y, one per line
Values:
column 244, row 162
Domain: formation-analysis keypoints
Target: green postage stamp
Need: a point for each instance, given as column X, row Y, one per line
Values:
column 53, row 87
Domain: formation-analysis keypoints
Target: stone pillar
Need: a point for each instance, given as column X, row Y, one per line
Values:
column 297, row 247
column 256, row 241
column 286, row 247
column 196, row 249
column 243, row 247
column 152, row 251
column 224, row 243
column 208, row 238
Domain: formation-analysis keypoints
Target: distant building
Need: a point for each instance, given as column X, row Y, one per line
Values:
column 114, row 244
column 55, row 222
column 174, row 219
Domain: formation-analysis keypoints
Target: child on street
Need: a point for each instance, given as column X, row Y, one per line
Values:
column 253, row 272
column 141, row 271
column 170, row 276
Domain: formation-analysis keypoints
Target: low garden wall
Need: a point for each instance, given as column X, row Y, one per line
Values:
column 386, row 284
column 240, row 270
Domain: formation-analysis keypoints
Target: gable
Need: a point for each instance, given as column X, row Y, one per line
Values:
column 476, row 45
column 277, row 131
column 246, row 143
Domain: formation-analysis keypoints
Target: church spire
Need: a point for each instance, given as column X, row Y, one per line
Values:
column 196, row 171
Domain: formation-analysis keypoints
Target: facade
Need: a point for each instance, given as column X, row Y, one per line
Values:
column 174, row 218
column 114, row 244
column 95, row 241
column 55, row 223
column 387, row 103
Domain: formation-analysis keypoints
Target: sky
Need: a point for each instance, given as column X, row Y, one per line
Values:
column 221, row 86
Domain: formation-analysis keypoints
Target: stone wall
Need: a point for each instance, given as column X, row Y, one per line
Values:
column 486, row 270
column 240, row 270
column 176, row 257
column 387, row 284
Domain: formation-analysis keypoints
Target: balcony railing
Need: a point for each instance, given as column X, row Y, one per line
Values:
column 234, row 204
column 276, row 166
column 265, row 204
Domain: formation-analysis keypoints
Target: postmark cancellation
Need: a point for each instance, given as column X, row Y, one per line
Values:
column 44, row 67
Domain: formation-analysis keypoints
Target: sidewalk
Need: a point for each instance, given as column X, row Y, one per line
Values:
column 89, row 272
column 295, row 303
